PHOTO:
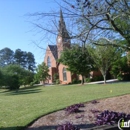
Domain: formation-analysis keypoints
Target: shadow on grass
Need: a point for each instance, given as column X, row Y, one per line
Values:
column 25, row 91
column 13, row 128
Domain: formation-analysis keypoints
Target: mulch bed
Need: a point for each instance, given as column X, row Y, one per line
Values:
column 85, row 119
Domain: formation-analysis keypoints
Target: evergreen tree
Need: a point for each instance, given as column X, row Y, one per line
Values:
column 6, row 57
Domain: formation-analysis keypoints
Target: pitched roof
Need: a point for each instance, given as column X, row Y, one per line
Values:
column 53, row 49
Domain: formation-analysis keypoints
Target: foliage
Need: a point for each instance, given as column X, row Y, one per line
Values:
column 104, row 56
column 97, row 78
column 120, row 69
column 77, row 60
column 14, row 82
column 30, row 61
column 67, row 126
column 6, row 57
column 42, row 72
column 1, row 77
column 94, row 102
column 94, row 111
column 88, row 80
column 27, row 77
column 128, row 58
column 22, row 58
column 57, row 81
column 55, row 78
column 14, row 76
column 35, row 81
column 76, row 81
column 110, row 117
column 74, row 108
column 25, row 59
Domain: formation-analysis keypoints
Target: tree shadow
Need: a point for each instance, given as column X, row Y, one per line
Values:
column 5, row 90
column 13, row 128
column 24, row 91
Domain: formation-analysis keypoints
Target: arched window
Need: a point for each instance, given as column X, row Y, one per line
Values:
column 64, row 74
column 48, row 62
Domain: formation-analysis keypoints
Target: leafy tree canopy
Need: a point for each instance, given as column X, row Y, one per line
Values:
column 42, row 72
column 120, row 69
column 6, row 56
column 22, row 58
column 14, row 76
column 77, row 60
column 104, row 56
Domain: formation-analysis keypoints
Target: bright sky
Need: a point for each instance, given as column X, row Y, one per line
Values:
column 16, row 31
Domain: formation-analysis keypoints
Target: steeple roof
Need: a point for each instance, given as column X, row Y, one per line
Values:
column 62, row 27
column 61, row 16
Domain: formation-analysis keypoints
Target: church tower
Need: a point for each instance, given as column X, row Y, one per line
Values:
column 63, row 38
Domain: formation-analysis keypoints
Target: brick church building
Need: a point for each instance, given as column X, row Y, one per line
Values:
column 53, row 52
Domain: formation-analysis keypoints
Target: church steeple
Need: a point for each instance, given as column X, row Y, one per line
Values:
column 61, row 16
column 63, row 39
column 62, row 27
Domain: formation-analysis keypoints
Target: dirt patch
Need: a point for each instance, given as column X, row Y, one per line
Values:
column 85, row 118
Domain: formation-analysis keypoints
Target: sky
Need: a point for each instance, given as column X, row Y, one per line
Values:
column 16, row 30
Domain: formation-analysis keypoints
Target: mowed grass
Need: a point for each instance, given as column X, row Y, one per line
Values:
column 18, row 109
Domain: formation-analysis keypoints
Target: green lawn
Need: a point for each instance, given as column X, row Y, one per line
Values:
column 19, row 109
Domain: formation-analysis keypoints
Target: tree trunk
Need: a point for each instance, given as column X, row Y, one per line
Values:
column 43, row 83
column 104, row 76
column 82, row 82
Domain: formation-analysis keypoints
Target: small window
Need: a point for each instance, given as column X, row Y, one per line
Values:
column 64, row 74
column 48, row 62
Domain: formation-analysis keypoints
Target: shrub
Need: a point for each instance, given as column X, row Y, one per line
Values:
column 55, row 77
column 120, row 77
column 94, row 101
column 74, row 108
column 88, row 80
column 110, row 117
column 74, row 81
column 14, row 82
column 126, row 77
column 79, row 81
column 57, row 81
column 94, row 111
column 97, row 78
column 31, row 84
column 67, row 126
column 34, row 82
